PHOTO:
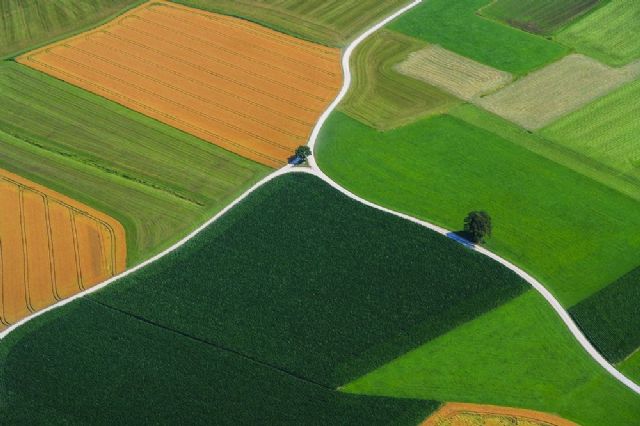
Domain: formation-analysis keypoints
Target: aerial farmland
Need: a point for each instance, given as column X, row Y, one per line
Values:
column 320, row 212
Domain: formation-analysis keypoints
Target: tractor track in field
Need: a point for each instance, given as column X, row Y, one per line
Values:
column 315, row 170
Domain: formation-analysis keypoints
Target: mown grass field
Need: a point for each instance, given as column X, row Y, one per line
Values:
column 382, row 97
column 157, row 181
column 538, row 16
column 26, row 24
column 453, row 73
column 88, row 364
column 456, row 26
column 610, row 317
column 556, row 90
column 519, row 355
column 329, row 22
column 296, row 291
column 606, row 131
column 367, row 286
column 608, row 34
column 441, row 168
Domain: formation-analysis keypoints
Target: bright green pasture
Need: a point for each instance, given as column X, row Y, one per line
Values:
column 631, row 366
column 609, row 34
column 88, row 364
column 572, row 233
column 547, row 148
column 159, row 182
column 606, row 131
column 538, row 16
column 518, row 355
column 329, row 22
column 456, row 25
column 382, row 97
column 28, row 23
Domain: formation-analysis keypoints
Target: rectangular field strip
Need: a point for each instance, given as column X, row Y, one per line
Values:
column 243, row 87
column 51, row 247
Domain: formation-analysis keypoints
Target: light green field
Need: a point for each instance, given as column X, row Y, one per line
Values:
column 518, row 355
column 631, row 367
column 538, row 16
column 609, row 34
column 441, row 168
column 157, row 181
column 456, row 25
column 27, row 23
column 606, row 131
column 329, row 22
column 382, row 97
column 553, row 151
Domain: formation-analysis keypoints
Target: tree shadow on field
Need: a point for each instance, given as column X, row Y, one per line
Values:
column 462, row 237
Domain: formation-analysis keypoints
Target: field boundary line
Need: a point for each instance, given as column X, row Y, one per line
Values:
column 284, row 170
column 548, row 296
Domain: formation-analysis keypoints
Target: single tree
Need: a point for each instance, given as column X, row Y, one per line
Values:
column 303, row 151
column 477, row 226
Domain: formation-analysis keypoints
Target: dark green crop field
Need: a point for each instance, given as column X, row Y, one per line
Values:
column 156, row 180
column 304, row 278
column 28, row 23
column 455, row 25
column 382, row 97
column 329, row 22
column 441, row 168
column 610, row 317
column 88, row 364
column 539, row 16
column 296, row 291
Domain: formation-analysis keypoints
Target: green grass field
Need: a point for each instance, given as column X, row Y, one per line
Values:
column 441, row 168
column 329, row 22
column 303, row 278
column 538, row 16
column 610, row 317
column 88, row 364
column 28, row 23
column 631, row 367
column 606, row 131
column 610, row 34
column 156, row 180
column 456, row 26
column 548, row 149
column 519, row 355
column 382, row 97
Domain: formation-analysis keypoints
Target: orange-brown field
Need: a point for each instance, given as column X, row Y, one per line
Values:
column 460, row 414
column 244, row 87
column 51, row 247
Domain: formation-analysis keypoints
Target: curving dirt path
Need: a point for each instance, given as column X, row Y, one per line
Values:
column 315, row 170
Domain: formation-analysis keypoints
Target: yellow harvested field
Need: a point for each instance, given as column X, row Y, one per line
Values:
column 556, row 90
column 460, row 414
column 51, row 247
column 453, row 73
column 246, row 88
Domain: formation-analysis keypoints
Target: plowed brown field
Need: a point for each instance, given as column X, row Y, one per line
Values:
column 459, row 414
column 51, row 247
column 246, row 88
